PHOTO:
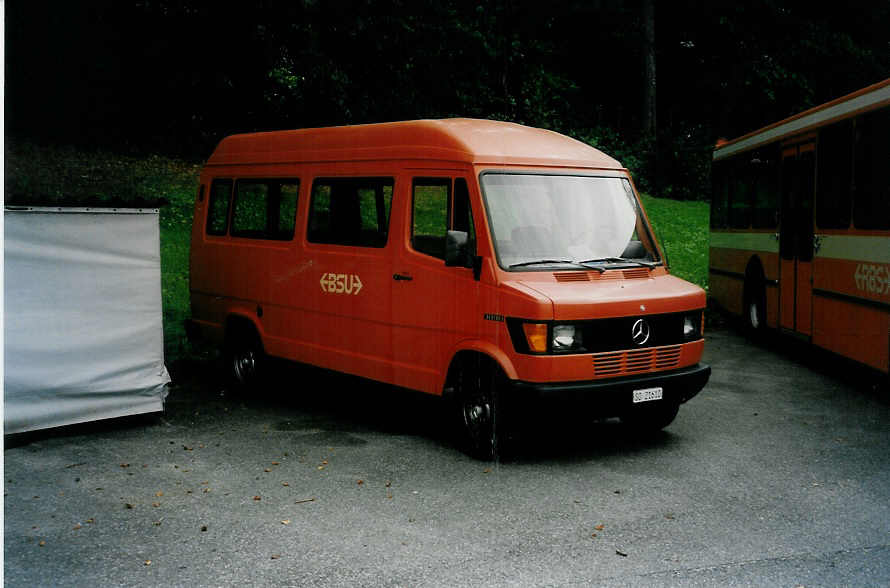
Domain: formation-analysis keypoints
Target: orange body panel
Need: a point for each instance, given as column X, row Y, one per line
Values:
column 394, row 314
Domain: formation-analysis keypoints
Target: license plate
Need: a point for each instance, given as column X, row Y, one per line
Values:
column 647, row 394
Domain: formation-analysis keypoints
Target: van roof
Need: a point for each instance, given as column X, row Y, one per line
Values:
column 457, row 139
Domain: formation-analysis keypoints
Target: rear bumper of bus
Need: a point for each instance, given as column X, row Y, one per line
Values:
column 614, row 396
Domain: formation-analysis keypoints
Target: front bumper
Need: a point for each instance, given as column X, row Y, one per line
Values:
column 614, row 396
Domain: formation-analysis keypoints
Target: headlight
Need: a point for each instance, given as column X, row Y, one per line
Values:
column 566, row 338
column 692, row 326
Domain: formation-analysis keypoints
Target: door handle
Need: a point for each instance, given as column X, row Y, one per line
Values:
column 400, row 277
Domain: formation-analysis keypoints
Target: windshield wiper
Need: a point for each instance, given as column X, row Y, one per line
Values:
column 619, row 260
column 546, row 261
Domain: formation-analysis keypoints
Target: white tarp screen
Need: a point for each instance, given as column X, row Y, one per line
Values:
column 83, row 317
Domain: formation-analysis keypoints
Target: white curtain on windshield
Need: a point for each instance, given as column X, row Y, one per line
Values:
column 537, row 217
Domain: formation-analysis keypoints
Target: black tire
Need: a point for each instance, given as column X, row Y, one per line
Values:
column 650, row 417
column 754, row 302
column 245, row 359
column 476, row 383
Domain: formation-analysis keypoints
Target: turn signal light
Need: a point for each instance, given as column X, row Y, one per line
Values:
column 536, row 335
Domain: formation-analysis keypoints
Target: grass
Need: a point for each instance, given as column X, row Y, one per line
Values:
column 61, row 175
column 682, row 229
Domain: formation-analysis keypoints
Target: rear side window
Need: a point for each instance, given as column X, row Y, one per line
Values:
column 350, row 211
column 218, row 207
column 265, row 209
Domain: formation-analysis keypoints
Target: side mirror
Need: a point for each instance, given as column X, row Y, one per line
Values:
column 456, row 254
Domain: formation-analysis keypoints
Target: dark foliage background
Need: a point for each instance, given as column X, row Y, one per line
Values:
column 175, row 77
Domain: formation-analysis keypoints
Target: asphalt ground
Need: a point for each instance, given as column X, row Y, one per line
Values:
column 776, row 474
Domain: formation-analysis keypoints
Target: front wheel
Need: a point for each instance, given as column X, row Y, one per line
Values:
column 476, row 384
column 754, row 302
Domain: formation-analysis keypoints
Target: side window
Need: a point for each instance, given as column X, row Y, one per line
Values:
column 765, row 164
column 740, row 196
column 350, row 211
column 871, row 203
column 218, row 207
column 720, row 196
column 265, row 209
column 834, row 176
column 462, row 212
column 431, row 198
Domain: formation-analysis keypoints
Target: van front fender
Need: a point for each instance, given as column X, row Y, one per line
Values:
column 484, row 348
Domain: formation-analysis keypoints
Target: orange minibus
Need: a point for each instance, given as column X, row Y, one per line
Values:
column 483, row 261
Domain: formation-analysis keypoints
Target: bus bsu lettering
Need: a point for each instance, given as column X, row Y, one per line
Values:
column 872, row 278
column 340, row 283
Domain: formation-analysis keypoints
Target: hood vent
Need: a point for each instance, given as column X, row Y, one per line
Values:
column 636, row 273
column 629, row 274
column 572, row 277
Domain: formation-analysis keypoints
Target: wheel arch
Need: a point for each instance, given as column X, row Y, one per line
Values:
column 489, row 352
column 238, row 323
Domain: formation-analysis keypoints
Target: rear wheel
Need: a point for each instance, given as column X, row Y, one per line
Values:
column 245, row 360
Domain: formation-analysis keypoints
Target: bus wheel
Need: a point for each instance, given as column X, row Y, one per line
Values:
column 476, row 384
column 755, row 308
column 244, row 359
column 650, row 418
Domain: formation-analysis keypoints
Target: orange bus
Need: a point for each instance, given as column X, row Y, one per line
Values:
column 480, row 260
column 800, row 226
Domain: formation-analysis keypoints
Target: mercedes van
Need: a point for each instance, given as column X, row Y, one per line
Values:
column 485, row 261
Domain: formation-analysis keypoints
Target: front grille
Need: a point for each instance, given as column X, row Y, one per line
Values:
column 601, row 335
column 637, row 361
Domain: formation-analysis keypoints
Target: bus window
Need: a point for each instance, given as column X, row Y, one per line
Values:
column 871, row 205
column 740, row 197
column 766, row 190
column 834, row 176
column 719, row 197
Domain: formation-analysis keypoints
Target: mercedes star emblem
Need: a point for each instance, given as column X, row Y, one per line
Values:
column 640, row 332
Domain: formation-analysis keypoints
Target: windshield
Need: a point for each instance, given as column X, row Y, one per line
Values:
column 557, row 220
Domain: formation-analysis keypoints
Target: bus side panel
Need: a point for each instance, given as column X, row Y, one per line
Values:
column 852, row 330
column 851, row 312
column 726, row 285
